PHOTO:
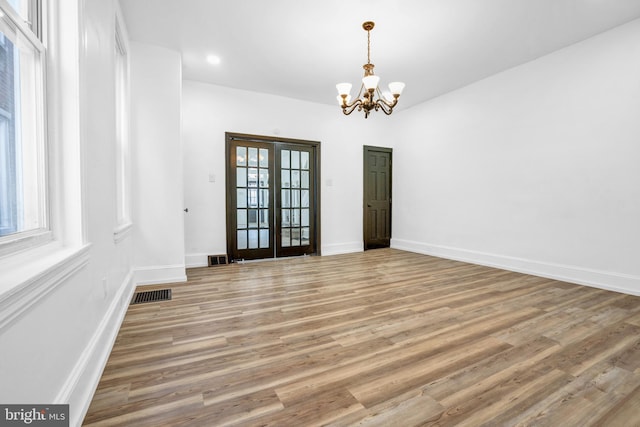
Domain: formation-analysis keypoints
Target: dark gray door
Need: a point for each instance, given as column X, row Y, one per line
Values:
column 377, row 197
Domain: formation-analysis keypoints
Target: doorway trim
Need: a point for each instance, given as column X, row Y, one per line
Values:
column 230, row 227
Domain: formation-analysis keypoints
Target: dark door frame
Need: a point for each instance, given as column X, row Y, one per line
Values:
column 365, row 190
column 315, row 218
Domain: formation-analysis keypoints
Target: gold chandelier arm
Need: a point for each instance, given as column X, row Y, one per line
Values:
column 384, row 106
column 345, row 104
column 389, row 104
column 383, row 100
column 348, row 108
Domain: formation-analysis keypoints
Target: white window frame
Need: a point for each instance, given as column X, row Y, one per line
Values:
column 32, row 31
column 122, row 104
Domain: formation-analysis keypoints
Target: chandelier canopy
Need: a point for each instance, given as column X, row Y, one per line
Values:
column 369, row 97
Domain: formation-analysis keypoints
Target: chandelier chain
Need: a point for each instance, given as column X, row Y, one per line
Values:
column 368, row 46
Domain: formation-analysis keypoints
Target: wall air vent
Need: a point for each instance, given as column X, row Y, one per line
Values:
column 152, row 296
column 217, row 260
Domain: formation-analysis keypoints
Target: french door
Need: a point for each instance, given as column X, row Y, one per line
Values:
column 272, row 197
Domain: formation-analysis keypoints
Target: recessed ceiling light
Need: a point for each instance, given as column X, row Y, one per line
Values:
column 213, row 59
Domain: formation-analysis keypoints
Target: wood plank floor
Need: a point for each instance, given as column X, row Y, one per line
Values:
column 380, row 338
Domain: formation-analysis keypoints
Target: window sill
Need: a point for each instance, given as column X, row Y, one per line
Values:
column 22, row 241
column 29, row 276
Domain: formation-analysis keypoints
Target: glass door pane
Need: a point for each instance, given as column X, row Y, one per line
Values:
column 251, row 168
column 295, row 203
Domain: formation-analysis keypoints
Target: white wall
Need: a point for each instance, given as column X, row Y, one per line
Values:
column 534, row 169
column 209, row 111
column 158, row 231
column 58, row 323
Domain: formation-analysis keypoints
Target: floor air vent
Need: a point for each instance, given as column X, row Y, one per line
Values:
column 217, row 260
column 152, row 296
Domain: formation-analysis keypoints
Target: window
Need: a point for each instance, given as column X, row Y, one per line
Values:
column 23, row 195
column 123, row 214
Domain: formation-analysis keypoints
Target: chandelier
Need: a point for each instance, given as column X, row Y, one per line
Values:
column 369, row 97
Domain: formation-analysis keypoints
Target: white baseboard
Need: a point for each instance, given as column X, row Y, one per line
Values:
column 197, row 260
column 611, row 281
column 342, row 248
column 159, row 274
column 81, row 384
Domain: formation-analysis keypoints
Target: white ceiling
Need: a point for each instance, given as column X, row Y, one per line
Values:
column 301, row 49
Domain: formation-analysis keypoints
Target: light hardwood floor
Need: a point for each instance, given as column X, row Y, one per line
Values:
column 380, row 338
